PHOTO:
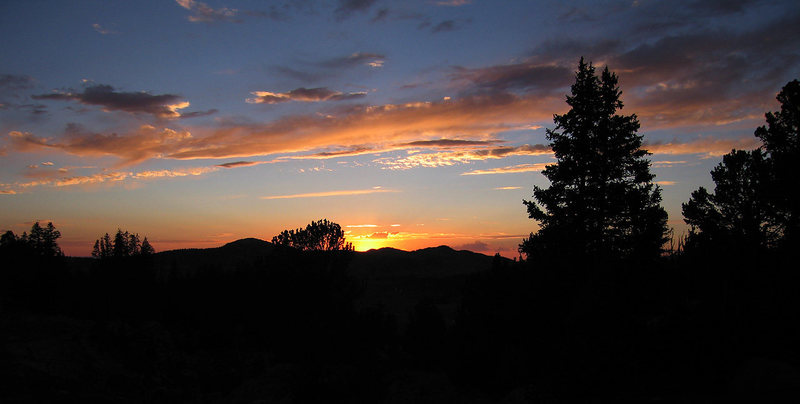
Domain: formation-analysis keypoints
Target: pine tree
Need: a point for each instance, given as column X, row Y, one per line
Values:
column 739, row 215
column 146, row 249
column 781, row 139
column 601, row 201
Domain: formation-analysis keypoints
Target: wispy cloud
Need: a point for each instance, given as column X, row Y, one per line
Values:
column 666, row 183
column 449, row 158
column 507, row 188
column 708, row 145
column 348, row 7
column 521, row 168
column 332, row 193
column 304, row 95
column 103, row 30
column 234, row 164
column 201, row 12
column 144, row 143
column 667, row 163
column 106, row 177
column 453, row 3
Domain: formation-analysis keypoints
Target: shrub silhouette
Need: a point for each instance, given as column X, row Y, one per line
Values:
column 321, row 235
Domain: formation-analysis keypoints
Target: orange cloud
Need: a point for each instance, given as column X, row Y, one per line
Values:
column 303, row 95
column 331, row 193
column 112, row 177
column 477, row 118
column 706, row 145
column 521, row 168
column 449, row 158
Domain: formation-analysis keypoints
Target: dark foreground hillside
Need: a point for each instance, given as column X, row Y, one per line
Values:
column 254, row 322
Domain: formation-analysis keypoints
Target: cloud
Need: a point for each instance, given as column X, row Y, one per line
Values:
column 108, row 177
column 234, row 164
column 201, row 12
column 357, row 130
column 103, row 31
column 507, row 188
column 10, row 98
column 348, row 7
column 354, row 59
column 521, row 168
column 379, row 235
column 196, row 114
column 162, row 106
column 446, row 143
column 708, row 145
column 453, row 3
column 303, row 95
column 477, row 245
column 314, row 71
column 543, row 78
column 14, row 82
column 182, row 172
column 666, row 163
column 666, row 183
column 145, row 143
column 7, row 192
column 478, row 116
column 444, row 26
column 449, row 158
column 331, row 193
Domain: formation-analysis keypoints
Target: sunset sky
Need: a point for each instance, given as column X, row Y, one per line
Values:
column 410, row 123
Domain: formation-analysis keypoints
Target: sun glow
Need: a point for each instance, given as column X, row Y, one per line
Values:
column 366, row 244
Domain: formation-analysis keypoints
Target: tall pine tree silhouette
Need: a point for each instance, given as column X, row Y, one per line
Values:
column 601, row 202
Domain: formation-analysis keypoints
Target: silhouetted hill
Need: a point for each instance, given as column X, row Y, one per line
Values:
column 397, row 280
column 433, row 262
column 226, row 257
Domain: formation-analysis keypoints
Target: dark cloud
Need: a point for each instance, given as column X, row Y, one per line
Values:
column 314, row 71
column 716, row 7
column 477, row 245
column 352, row 151
column 234, row 164
column 444, row 26
column 380, row 15
column 162, row 106
column 353, row 60
column 15, row 82
column 348, row 7
column 299, row 75
column 379, row 235
column 303, row 95
column 11, row 86
column 522, row 76
column 195, row 114
column 201, row 12
column 449, row 143
column 504, row 151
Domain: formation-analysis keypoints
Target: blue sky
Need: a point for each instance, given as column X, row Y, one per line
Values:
column 411, row 123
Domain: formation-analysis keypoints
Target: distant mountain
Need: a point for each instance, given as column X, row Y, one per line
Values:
column 228, row 256
column 392, row 279
column 433, row 262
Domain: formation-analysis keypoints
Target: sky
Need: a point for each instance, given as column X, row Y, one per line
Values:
column 410, row 123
